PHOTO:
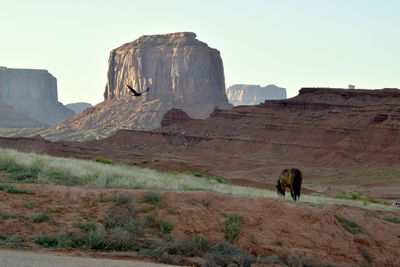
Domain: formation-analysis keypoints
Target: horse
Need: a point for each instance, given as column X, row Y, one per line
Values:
column 291, row 178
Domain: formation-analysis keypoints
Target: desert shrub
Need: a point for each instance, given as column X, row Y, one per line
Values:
column 30, row 204
column 150, row 220
column 103, row 160
column 40, row 217
column 121, row 199
column 86, row 226
column 120, row 239
column 224, row 254
column 206, row 202
column 4, row 239
column 88, row 240
column 278, row 242
column 47, row 241
column 119, row 215
column 232, row 227
column 165, row 226
column 392, row 219
column 134, row 227
column 153, row 198
column 348, row 225
column 272, row 259
column 13, row 190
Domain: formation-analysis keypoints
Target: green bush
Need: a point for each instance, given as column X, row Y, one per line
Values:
column 165, row 226
column 232, row 227
column 40, row 217
column 47, row 241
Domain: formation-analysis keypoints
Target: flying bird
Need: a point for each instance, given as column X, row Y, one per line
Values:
column 135, row 93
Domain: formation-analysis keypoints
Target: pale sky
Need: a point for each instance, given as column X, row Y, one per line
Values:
column 290, row 43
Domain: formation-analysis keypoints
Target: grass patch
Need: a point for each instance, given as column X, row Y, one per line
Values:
column 153, row 198
column 165, row 226
column 348, row 225
column 40, row 217
column 206, row 202
column 13, row 190
column 392, row 219
column 103, row 161
column 93, row 174
column 54, row 209
column 232, row 227
column 357, row 196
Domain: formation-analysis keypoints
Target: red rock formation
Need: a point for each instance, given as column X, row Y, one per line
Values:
column 181, row 71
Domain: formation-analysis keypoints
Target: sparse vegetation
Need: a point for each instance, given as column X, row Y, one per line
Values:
column 165, row 226
column 30, row 204
column 13, row 190
column 350, row 226
column 40, row 217
column 6, row 215
column 278, row 242
column 5, row 239
column 206, row 202
column 54, row 209
column 120, row 198
column 357, row 196
column 153, row 198
column 80, row 172
column 392, row 219
column 232, row 227
column 104, row 161
column 86, row 226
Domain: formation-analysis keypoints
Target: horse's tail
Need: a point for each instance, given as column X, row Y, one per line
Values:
column 297, row 181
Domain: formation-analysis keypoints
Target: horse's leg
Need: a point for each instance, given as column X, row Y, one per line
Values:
column 292, row 193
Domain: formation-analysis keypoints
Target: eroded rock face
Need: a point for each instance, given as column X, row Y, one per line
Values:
column 181, row 71
column 33, row 93
column 247, row 94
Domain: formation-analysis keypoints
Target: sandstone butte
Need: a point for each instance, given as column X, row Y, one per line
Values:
column 181, row 71
column 248, row 94
column 33, row 95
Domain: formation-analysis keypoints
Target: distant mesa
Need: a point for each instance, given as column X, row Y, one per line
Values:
column 247, row 94
column 33, row 94
column 78, row 107
column 183, row 73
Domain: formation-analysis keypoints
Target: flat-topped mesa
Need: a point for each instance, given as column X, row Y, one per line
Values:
column 177, row 67
column 248, row 94
column 33, row 92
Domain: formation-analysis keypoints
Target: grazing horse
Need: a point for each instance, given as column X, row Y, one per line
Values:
column 291, row 178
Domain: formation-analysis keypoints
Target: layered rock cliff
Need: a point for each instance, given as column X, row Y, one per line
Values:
column 34, row 94
column 181, row 71
column 246, row 94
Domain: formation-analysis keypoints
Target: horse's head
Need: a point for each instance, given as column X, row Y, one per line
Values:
column 279, row 188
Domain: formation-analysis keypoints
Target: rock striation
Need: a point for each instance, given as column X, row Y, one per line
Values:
column 247, row 94
column 78, row 107
column 181, row 71
column 34, row 94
